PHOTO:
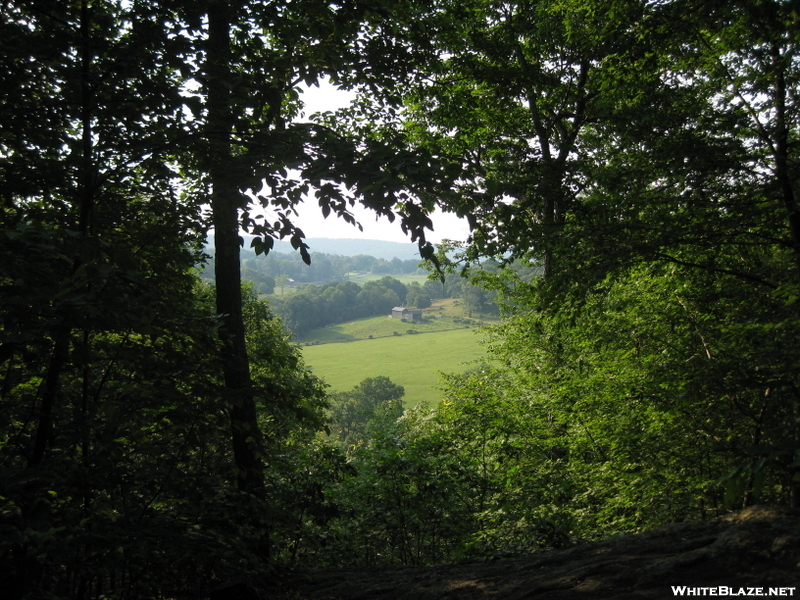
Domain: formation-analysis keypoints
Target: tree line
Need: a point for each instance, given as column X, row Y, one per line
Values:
column 304, row 303
column 637, row 161
column 309, row 306
column 267, row 271
column 316, row 306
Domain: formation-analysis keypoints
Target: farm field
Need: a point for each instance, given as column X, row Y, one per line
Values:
column 379, row 327
column 442, row 316
column 413, row 361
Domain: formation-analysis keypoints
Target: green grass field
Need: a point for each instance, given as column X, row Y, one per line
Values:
column 413, row 361
column 442, row 316
column 379, row 327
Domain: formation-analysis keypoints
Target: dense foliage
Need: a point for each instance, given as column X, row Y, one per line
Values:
column 641, row 159
column 635, row 163
column 140, row 421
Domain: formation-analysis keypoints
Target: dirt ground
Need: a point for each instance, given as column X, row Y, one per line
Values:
column 755, row 548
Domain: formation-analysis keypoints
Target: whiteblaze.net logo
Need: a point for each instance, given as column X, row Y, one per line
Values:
column 724, row 590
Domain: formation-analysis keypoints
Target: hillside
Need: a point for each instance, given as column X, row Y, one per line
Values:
column 346, row 247
column 443, row 316
column 755, row 552
column 354, row 247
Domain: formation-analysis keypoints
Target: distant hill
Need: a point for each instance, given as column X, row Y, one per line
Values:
column 349, row 247
column 353, row 247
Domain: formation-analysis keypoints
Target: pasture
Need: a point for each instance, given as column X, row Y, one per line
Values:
column 443, row 315
column 378, row 327
column 411, row 360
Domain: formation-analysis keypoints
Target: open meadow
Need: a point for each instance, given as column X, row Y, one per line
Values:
column 411, row 360
column 379, row 327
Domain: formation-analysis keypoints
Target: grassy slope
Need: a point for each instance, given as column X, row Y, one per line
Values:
column 376, row 327
column 413, row 361
column 437, row 318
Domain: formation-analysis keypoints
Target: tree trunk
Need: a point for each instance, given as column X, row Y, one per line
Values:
column 784, row 180
column 225, row 203
column 85, row 204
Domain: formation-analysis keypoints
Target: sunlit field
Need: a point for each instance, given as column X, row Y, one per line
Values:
column 411, row 360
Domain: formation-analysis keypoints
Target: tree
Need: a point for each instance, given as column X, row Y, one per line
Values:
column 398, row 287
column 264, row 283
column 226, row 201
column 470, row 479
column 376, row 300
column 587, row 152
column 638, row 159
column 94, row 156
column 291, row 400
column 719, row 199
column 375, row 398
column 474, row 297
column 113, row 442
column 418, row 299
column 253, row 58
column 434, row 289
column 97, row 301
column 267, row 285
column 335, row 304
column 512, row 90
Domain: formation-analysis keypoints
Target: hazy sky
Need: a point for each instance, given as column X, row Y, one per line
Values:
column 446, row 226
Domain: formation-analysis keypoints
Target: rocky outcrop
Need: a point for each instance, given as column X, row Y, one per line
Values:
column 757, row 549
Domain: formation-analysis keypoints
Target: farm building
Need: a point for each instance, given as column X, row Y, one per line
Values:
column 412, row 316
